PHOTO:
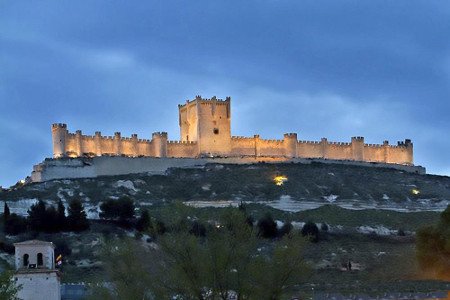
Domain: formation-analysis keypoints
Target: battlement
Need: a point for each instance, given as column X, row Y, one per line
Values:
column 339, row 143
column 205, row 129
column 160, row 134
column 243, row 138
column 59, row 125
column 182, row 142
column 206, row 101
column 290, row 135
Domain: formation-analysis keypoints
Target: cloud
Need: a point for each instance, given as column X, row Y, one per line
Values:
column 322, row 69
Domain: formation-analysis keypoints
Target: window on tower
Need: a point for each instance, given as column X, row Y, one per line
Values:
column 216, row 130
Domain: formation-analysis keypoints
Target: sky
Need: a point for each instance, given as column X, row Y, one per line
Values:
column 335, row 69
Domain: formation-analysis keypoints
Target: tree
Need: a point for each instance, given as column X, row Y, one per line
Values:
column 274, row 275
column 144, row 222
column 61, row 215
column 37, row 216
column 43, row 218
column 8, row 288
column 121, row 209
column 311, row 230
column 6, row 212
column 228, row 261
column 15, row 224
column 433, row 247
column 285, row 229
column 76, row 218
column 129, row 267
column 267, row 227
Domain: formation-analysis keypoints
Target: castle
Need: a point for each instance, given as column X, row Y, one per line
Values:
column 205, row 129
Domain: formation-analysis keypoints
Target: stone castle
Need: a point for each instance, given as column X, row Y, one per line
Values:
column 205, row 128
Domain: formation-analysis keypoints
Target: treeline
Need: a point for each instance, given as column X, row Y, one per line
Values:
column 122, row 212
column 47, row 218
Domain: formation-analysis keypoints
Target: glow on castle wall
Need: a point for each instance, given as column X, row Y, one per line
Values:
column 205, row 130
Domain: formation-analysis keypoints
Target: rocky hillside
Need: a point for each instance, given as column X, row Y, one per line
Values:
column 305, row 187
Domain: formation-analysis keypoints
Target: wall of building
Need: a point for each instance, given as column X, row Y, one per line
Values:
column 182, row 149
column 243, row 146
column 309, row 149
column 270, row 147
column 39, row 286
column 32, row 251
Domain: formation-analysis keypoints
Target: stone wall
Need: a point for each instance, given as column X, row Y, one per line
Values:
column 67, row 168
column 205, row 128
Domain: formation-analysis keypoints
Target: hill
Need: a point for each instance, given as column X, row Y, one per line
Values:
column 371, row 215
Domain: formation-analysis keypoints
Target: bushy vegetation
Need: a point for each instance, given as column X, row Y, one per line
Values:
column 433, row 247
column 311, row 231
column 8, row 288
column 227, row 260
column 121, row 210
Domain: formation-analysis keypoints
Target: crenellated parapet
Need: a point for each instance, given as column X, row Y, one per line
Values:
column 205, row 129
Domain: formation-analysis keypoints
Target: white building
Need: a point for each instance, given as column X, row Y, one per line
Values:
column 35, row 271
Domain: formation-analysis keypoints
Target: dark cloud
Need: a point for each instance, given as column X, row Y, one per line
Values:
column 321, row 68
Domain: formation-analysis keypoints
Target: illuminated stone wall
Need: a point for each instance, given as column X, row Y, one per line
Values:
column 205, row 130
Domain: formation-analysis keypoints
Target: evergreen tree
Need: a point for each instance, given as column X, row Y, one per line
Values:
column 6, row 213
column 36, row 216
column 76, row 219
column 61, row 215
column 121, row 209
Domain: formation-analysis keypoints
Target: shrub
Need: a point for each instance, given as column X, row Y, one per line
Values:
column 285, row 229
column 267, row 228
column 311, row 230
column 144, row 222
column 197, row 229
column 324, row 227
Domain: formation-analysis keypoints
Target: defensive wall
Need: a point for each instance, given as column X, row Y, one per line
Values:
column 78, row 145
column 205, row 132
column 66, row 168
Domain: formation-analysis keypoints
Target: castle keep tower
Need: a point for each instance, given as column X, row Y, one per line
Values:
column 207, row 122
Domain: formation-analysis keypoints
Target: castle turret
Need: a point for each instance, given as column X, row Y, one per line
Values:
column 409, row 152
column 117, row 143
column 386, row 151
column 358, row 148
column 324, row 144
column 98, row 143
column 257, row 145
column 134, row 142
column 290, row 145
column 59, row 133
column 78, row 143
column 159, row 141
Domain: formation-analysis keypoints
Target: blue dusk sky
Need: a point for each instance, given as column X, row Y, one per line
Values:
column 335, row 69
